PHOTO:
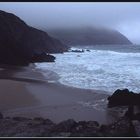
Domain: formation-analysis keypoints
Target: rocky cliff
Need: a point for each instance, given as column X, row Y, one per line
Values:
column 89, row 36
column 20, row 42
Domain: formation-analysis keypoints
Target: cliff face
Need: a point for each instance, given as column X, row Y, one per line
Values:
column 89, row 36
column 20, row 42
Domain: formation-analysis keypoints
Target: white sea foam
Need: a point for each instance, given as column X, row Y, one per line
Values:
column 97, row 69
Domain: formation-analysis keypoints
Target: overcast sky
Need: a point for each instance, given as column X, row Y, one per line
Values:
column 125, row 17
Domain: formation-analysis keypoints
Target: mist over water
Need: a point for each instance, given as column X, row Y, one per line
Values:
column 105, row 70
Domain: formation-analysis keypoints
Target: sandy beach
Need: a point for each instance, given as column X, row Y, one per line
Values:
column 25, row 92
column 14, row 94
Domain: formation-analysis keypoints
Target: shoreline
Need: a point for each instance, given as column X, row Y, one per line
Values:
column 56, row 101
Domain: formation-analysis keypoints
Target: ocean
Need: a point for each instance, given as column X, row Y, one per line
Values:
column 104, row 67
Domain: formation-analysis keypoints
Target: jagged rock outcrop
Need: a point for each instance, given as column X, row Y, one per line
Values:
column 43, row 57
column 123, row 98
column 20, row 42
column 89, row 36
column 41, row 127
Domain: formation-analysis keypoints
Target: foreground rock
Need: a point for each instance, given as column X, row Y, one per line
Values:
column 126, row 98
column 40, row 127
column 20, row 42
column 132, row 100
column 123, row 98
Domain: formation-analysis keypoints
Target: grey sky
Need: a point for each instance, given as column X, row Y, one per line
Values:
column 125, row 17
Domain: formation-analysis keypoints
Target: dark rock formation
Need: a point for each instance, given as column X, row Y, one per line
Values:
column 43, row 57
column 123, row 127
column 85, row 128
column 123, row 97
column 19, row 43
column 40, row 127
column 65, row 126
column 126, row 98
column 1, row 116
column 136, row 125
column 79, row 51
column 87, row 50
column 136, row 116
column 89, row 36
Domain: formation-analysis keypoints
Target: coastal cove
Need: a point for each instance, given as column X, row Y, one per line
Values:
column 54, row 107
column 51, row 99
column 64, row 75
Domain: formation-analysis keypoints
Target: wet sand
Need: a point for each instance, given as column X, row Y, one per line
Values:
column 29, row 94
column 14, row 94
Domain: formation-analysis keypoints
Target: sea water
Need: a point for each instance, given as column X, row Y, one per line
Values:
column 104, row 67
